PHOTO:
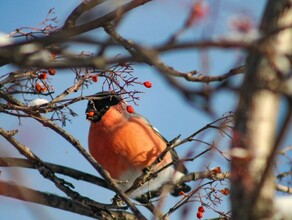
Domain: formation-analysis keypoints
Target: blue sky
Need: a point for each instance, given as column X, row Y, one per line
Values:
column 150, row 24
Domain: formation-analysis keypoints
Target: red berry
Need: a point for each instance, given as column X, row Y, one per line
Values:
column 43, row 75
column 181, row 193
column 201, row 209
column 147, row 84
column 200, row 9
column 44, row 89
column 217, row 170
column 94, row 78
column 38, row 87
column 200, row 215
column 130, row 109
column 52, row 71
column 123, row 64
column 242, row 24
column 225, row 191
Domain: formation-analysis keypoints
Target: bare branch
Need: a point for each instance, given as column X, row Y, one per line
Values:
column 79, row 10
column 43, row 198
column 76, row 174
column 285, row 189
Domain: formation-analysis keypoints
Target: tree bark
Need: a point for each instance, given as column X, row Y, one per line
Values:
column 253, row 149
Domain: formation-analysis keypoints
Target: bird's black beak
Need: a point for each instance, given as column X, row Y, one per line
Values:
column 98, row 106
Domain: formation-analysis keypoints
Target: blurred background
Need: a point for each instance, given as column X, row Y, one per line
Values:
column 150, row 24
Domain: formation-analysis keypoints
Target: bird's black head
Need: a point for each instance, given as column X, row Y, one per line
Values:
column 97, row 107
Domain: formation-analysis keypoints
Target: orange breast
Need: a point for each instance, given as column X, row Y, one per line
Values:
column 128, row 145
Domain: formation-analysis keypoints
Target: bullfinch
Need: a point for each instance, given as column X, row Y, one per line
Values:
column 125, row 143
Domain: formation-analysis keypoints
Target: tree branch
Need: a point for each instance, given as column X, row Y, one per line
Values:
column 43, row 198
column 67, row 171
column 79, row 10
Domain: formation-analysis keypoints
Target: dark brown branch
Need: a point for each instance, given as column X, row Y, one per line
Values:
column 76, row 174
column 14, row 76
column 99, row 61
column 11, row 53
column 150, row 56
column 97, row 23
column 207, row 79
column 43, row 198
column 205, row 175
column 79, row 10
column 223, row 44
column 69, row 90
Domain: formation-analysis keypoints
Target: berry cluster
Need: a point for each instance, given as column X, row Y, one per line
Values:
column 41, row 84
column 200, row 212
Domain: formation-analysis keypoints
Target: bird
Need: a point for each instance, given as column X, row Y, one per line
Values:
column 124, row 144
